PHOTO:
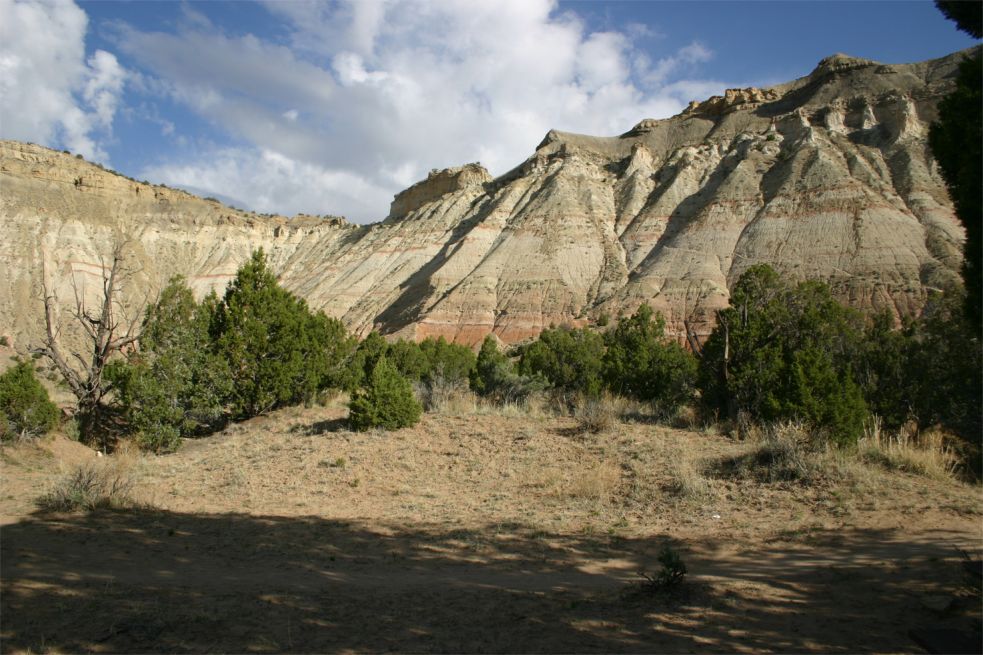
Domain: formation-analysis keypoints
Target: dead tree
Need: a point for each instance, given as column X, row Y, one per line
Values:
column 106, row 335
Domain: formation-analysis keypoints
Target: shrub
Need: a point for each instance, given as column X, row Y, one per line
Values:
column 367, row 354
column 175, row 386
column 452, row 362
column 88, row 488
column 783, row 353
column 594, row 415
column 387, row 401
column 26, row 411
column 495, row 376
column 570, row 359
column 641, row 363
column 270, row 340
column 409, row 359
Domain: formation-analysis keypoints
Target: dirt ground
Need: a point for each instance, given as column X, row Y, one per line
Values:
column 478, row 532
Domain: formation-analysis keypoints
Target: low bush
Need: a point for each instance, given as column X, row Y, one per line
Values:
column 26, row 411
column 594, row 415
column 386, row 402
column 87, row 488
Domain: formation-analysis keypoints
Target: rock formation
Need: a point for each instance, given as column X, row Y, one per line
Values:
column 828, row 177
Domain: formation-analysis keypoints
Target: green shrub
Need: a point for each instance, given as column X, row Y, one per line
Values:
column 494, row 376
column 409, row 359
column 387, row 401
column 175, row 385
column 451, row 362
column 641, row 363
column 570, row 359
column 271, row 341
column 783, row 353
column 26, row 411
column 367, row 354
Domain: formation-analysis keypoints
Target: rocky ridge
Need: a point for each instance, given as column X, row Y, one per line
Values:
column 826, row 177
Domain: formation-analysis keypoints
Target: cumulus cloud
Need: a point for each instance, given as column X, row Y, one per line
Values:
column 267, row 181
column 367, row 96
column 49, row 92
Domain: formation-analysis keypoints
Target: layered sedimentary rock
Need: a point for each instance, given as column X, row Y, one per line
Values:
column 828, row 177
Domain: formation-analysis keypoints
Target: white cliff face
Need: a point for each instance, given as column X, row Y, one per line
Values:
column 828, row 177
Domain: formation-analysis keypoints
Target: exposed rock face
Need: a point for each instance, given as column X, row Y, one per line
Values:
column 827, row 177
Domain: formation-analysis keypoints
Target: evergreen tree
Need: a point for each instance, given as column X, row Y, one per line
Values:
column 956, row 139
column 781, row 352
column 175, row 385
column 26, row 410
column 387, row 401
column 641, row 363
column 268, row 337
column 570, row 359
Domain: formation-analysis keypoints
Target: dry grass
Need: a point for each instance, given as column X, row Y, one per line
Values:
column 594, row 415
column 687, row 477
column 927, row 454
column 98, row 485
column 781, row 452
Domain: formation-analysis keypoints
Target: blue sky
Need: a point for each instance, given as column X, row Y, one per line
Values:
column 332, row 107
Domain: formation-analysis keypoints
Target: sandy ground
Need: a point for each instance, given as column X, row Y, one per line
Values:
column 479, row 532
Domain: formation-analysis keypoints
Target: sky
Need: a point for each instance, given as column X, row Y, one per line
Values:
column 290, row 106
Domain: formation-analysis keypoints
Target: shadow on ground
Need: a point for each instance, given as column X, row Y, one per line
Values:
column 139, row 581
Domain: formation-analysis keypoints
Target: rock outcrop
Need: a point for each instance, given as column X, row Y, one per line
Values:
column 828, row 177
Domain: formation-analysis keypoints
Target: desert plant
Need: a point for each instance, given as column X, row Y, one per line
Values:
column 641, row 363
column 26, row 411
column 494, row 376
column 89, row 487
column 670, row 576
column 109, row 333
column 387, row 401
column 594, row 415
column 271, row 341
column 570, row 359
column 782, row 353
column 174, row 386
column 927, row 454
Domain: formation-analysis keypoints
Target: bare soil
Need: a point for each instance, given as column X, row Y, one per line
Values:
column 480, row 532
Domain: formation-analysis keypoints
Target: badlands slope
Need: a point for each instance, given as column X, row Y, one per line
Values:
column 827, row 177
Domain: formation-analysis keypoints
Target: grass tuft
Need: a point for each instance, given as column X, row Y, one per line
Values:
column 89, row 487
column 928, row 454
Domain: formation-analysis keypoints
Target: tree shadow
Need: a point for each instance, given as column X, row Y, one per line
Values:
column 339, row 424
column 158, row 581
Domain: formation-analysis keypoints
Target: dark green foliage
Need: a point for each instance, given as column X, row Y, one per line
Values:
column 495, row 376
column 368, row 353
column 334, row 351
column 947, row 363
column 967, row 14
column 781, row 352
column 956, row 139
column 409, row 359
column 175, row 385
column 452, row 362
column 269, row 339
column 641, row 363
column 387, row 401
column 25, row 409
column 490, row 361
column 883, row 371
column 570, row 359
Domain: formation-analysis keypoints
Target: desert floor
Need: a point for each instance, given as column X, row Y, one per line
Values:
column 480, row 531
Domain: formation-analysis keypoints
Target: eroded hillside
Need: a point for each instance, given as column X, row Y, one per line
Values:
column 827, row 177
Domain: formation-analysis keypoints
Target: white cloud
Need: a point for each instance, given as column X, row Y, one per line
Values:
column 370, row 95
column 49, row 92
column 267, row 181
